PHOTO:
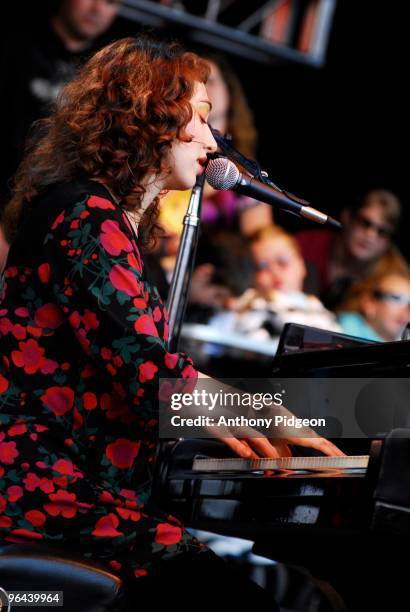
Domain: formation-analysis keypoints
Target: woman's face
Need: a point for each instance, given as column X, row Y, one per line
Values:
column 187, row 159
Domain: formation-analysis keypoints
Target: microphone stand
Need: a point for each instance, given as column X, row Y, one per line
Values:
column 181, row 278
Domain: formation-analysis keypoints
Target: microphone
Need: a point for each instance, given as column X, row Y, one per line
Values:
column 222, row 174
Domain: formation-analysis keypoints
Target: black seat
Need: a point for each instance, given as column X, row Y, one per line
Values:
column 87, row 586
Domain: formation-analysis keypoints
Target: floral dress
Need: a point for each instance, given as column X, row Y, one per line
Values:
column 82, row 346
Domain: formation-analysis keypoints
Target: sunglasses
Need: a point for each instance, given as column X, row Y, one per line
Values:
column 282, row 262
column 397, row 298
column 381, row 231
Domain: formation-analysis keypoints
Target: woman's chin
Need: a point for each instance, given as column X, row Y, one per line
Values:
column 184, row 184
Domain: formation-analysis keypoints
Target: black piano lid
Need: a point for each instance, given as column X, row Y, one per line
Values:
column 377, row 360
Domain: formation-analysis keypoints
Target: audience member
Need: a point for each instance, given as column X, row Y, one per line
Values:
column 364, row 247
column 277, row 295
column 378, row 308
column 36, row 65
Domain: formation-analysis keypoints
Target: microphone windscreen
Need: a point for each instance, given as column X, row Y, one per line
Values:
column 221, row 173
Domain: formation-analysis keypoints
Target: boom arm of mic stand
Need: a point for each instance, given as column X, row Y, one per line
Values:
column 181, row 278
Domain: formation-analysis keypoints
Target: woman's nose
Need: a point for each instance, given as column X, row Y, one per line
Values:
column 210, row 141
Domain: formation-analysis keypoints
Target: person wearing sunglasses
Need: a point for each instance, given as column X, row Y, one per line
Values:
column 379, row 308
column 363, row 248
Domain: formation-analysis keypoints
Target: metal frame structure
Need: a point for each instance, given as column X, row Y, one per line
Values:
column 238, row 39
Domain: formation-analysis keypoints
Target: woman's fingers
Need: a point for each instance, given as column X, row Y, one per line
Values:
column 239, row 447
column 321, row 444
column 253, row 448
column 263, row 447
column 282, row 447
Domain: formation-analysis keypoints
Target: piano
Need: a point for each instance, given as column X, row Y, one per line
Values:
column 346, row 525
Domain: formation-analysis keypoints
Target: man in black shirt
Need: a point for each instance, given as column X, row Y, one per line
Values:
column 36, row 63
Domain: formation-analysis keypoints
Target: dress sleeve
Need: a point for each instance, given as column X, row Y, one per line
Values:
column 117, row 317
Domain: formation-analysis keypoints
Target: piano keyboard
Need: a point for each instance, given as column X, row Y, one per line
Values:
column 202, row 464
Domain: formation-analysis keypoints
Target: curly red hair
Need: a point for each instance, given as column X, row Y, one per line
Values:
column 114, row 122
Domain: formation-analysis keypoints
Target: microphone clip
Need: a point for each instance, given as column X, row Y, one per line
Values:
column 250, row 165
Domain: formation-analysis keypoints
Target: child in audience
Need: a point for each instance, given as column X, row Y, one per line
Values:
column 277, row 295
column 379, row 308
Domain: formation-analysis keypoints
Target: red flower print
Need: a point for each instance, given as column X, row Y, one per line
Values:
column 75, row 319
column 105, row 497
column 126, row 514
column 5, row 326
column 145, row 325
column 113, row 238
column 114, row 406
column 46, row 485
column 19, row 331
column 166, row 389
column 35, row 517
column 134, row 262
column 140, row 303
column 171, row 360
column 89, row 400
column 39, row 428
column 97, row 202
column 43, row 272
column 124, row 280
column 34, row 331
column 4, row 384
column 77, row 419
column 49, row 366
column 57, row 221
column 58, row 399
column 62, row 502
column 129, row 494
column 106, row 527
column 147, row 371
column 90, row 320
column 49, row 315
column 30, row 356
column 115, row 565
column 17, row 430
column 189, row 372
column 3, row 503
column 11, row 272
column 25, row 534
column 22, row 312
column 167, row 534
column 122, row 452
column 14, row 493
column 138, row 573
column 31, row 482
column 8, row 452
column 157, row 314
column 88, row 371
column 106, row 353
column 63, row 466
column 5, row 522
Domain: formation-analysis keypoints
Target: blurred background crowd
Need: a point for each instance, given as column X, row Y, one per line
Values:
column 330, row 133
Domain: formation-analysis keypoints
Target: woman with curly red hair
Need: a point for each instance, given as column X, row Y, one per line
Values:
column 83, row 334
